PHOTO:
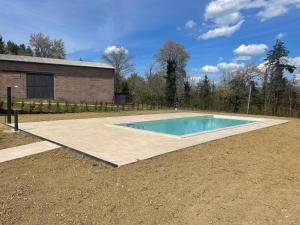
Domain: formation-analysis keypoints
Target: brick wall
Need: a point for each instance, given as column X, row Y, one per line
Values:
column 71, row 83
column 12, row 79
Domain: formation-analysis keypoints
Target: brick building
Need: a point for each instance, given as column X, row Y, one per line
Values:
column 45, row 78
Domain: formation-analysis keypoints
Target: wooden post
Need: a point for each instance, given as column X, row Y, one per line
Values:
column 8, row 103
column 16, row 117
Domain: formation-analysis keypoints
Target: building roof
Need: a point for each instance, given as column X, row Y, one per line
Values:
column 39, row 60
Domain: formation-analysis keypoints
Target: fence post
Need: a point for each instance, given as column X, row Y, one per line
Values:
column 8, row 104
column 16, row 117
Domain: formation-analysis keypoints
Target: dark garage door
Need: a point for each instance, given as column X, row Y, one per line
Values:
column 40, row 85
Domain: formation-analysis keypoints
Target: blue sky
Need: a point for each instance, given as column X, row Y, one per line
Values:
column 210, row 30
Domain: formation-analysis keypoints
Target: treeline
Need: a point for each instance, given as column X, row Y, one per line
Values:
column 270, row 88
column 40, row 45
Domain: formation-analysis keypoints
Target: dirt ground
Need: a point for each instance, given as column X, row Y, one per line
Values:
column 247, row 179
column 11, row 139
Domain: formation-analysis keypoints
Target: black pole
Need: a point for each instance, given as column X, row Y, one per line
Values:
column 16, row 116
column 8, row 95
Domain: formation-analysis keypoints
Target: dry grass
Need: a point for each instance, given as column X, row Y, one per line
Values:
column 251, row 178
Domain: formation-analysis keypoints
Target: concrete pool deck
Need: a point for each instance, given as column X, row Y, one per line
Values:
column 102, row 139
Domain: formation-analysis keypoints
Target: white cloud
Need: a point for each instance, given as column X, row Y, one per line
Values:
column 225, row 31
column 272, row 11
column 210, row 69
column 190, row 24
column 115, row 49
column 297, row 77
column 251, row 50
column 224, row 13
column 231, row 66
column 242, row 58
column 262, row 67
column 195, row 79
column 231, row 18
column 276, row 8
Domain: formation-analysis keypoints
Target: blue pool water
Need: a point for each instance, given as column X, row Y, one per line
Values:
column 188, row 125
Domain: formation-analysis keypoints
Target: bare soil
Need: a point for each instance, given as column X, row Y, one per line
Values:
column 8, row 138
column 251, row 178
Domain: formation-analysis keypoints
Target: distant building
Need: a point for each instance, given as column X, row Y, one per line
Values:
column 46, row 78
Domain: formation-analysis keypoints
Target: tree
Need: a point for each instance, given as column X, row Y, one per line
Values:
column 2, row 46
column 58, row 49
column 170, row 91
column 155, row 84
column 187, row 92
column 172, row 58
column 137, row 86
column 238, row 92
column 23, row 50
column 275, row 82
column 43, row 46
column 12, row 48
column 205, row 92
column 120, row 59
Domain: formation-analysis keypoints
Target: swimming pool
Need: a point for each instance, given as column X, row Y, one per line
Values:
column 188, row 125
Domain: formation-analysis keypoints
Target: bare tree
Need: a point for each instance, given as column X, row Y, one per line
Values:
column 43, row 46
column 119, row 58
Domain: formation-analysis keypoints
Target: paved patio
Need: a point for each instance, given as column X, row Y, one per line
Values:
column 100, row 138
column 26, row 150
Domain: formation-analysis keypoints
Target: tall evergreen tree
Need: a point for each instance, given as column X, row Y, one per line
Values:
column 275, row 81
column 170, row 91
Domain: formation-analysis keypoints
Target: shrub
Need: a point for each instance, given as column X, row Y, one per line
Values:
column 31, row 107
column 49, row 106
column 22, row 106
column 196, row 103
column 40, row 108
column 57, row 107
column 74, row 108
column 67, row 107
